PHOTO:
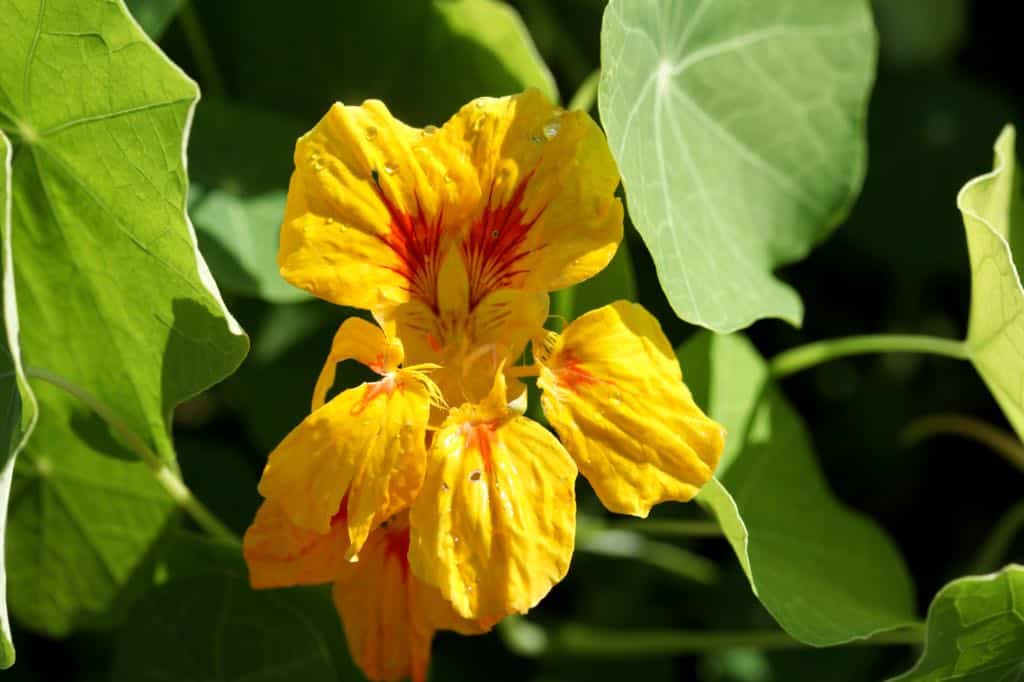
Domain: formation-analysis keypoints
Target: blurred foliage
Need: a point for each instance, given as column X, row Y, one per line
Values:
column 947, row 82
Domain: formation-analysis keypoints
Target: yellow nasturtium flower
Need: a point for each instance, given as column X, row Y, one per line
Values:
column 425, row 496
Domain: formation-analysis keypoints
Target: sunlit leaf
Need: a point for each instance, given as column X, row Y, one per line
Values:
column 120, row 318
column 452, row 50
column 826, row 573
column 975, row 631
column 739, row 131
column 993, row 211
column 17, row 404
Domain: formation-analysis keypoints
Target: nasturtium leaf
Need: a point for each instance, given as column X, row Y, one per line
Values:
column 993, row 209
column 120, row 318
column 975, row 631
column 452, row 50
column 215, row 627
column 81, row 521
column 827, row 574
column 17, row 404
column 738, row 126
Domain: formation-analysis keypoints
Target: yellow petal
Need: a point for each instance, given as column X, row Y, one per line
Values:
column 367, row 210
column 389, row 615
column 494, row 524
column 366, row 443
column 359, row 340
column 280, row 554
column 613, row 390
column 546, row 212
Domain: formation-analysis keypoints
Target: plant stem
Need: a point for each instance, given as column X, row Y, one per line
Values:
column 571, row 639
column 1002, row 442
column 200, row 46
column 999, row 540
column 168, row 478
column 671, row 528
column 803, row 357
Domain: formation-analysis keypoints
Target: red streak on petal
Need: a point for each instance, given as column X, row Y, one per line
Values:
column 573, row 376
column 416, row 241
column 480, row 436
column 376, row 389
column 341, row 516
column 496, row 244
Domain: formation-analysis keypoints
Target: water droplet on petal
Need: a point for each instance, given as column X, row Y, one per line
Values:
column 328, row 220
column 429, row 130
column 536, row 139
column 480, row 103
column 371, row 132
column 444, row 486
column 448, row 178
column 551, row 128
column 389, row 169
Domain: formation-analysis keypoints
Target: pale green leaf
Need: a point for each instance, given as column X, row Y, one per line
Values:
column 738, row 126
column 827, row 574
column 120, row 318
column 993, row 212
column 215, row 627
column 17, row 404
column 975, row 631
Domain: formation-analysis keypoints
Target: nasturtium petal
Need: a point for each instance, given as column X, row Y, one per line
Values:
column 365, row 445
column 493, row 527
column 364, row 342
column 975, row 631
column 993, row 210
column 388, row 613
column 613, row 390
column 739, row 129
column 363, row 224
column 545, row 180
column 281, row 554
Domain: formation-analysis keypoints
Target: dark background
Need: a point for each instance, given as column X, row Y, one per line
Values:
column 949, row 78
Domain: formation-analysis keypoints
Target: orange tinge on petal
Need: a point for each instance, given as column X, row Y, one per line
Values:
column 367, row 443
column 614, row 392
column 389, row 614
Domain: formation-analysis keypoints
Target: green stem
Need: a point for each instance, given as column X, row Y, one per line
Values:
column 531, row 639
column 200, row 46
column 996, row 439
column 687, row 529
column 991, row 554
column 586, row 93
column 168, row 478
column 804, row 357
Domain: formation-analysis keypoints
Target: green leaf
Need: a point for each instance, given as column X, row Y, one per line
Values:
column 993, row 211
column 16, row 400
column 120, row 318
column 214, row 627
column 827, row 574
column 975, row 631
column 154, row 16
column 739, row 132
column 452, row 50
